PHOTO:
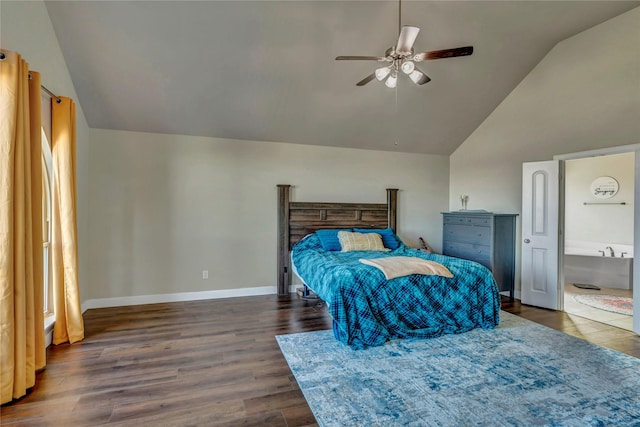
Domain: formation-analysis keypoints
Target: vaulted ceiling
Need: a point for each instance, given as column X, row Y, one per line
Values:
column 266, row 70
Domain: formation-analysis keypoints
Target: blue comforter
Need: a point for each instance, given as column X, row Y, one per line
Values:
column 368, row 310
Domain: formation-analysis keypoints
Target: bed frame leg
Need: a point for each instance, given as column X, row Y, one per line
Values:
column 307, row 293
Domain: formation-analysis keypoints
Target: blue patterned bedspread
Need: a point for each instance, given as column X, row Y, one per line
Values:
column 368, row 310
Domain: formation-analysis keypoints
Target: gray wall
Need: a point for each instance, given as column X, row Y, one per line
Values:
column 165, row 207
column 146, row 202
column 156, row 210
column 582, row 96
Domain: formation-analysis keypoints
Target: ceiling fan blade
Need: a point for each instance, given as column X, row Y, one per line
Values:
column 406, row 39
column 361, row 58
column 366, row 79
column 445, row 53
column 419, row 77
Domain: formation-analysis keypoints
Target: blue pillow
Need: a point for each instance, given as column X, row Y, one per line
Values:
column 389, row 238
column 329, row 239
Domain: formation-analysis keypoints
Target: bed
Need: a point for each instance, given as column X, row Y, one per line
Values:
column 367, row 308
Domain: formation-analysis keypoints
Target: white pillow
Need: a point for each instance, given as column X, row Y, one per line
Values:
column 351, row 241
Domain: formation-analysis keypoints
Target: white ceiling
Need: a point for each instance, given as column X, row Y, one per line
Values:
column 265, row 71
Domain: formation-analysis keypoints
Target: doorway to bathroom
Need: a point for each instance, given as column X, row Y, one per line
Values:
column 599, row 238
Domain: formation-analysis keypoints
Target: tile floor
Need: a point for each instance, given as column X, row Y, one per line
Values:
column 614, row 319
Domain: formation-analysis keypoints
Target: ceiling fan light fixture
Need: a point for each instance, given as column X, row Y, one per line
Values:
column 418, row 77
column 392, row 81
column 408, row 67
column 401, row 57
column 382, row 73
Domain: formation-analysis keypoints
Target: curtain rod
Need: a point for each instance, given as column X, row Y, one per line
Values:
column 44, row 89
column 48, row 92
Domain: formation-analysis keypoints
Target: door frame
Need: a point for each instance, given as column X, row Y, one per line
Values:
column 636, row 214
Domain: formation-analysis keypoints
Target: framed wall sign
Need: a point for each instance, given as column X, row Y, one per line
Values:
column 604, row 187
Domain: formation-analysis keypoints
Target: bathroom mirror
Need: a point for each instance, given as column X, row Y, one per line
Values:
column 604, row 187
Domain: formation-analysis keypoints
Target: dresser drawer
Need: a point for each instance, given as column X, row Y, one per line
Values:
column 467, row 234
column 469, row 220
column 478, row 253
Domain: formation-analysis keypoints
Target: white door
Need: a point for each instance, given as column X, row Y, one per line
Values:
column 542, row 241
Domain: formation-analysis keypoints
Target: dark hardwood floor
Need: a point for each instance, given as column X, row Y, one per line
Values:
column 205, row 363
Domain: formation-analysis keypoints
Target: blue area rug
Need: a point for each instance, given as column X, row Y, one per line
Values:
column 520, row 373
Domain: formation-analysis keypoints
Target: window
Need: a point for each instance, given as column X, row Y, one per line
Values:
column 46, row 224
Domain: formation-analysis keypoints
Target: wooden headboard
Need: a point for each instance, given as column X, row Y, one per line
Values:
column 297, row 219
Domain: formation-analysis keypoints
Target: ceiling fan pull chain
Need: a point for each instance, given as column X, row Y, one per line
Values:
column 399, row 16
column 396, row 114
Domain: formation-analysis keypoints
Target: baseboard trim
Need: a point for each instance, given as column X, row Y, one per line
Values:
column 193, row 296
column 177, row 297
column 516, row 294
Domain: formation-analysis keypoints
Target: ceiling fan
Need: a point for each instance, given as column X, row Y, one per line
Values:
column 401, row 58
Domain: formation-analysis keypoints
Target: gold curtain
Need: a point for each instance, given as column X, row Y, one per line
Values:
column 22, row 344
column 69, row 325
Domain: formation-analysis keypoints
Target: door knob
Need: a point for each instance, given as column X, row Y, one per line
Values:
column 527, row 241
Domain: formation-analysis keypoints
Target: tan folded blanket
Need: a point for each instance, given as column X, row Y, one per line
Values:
column 398, row 266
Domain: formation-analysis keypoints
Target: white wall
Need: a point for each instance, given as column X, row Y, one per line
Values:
column 165, row 207
column 25, row 28
column 583, row 95
column 604, row 223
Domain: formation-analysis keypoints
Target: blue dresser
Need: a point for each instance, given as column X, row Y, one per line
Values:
column 485, row 237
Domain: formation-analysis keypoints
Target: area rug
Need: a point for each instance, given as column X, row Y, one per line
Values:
column 613, row 303
column 520, row 373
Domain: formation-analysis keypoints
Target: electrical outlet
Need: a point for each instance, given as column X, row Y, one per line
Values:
column 205, row 274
